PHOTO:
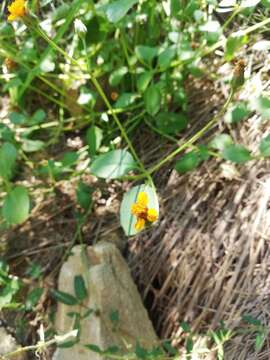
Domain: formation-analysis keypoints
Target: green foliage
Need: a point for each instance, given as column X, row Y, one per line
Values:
column 9, row 287
column 113, row 164
column 84, row 195
column 94, row 136
column 143, row 80
column 64, row 297
column 152, row 99
column 8, row 155
column 33, row 297
column 16, row 206
column 221, row 141
column 233, row 44
column 188, row 162
column 80, row 288
column 171, row 123
column 238, row 113
column 118, row 9
column 265, row 146
column 262, row 105
column 236, row 153
column 128, row 220
column 135, row 64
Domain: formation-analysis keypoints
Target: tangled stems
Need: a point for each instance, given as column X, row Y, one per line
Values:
column 40, row 346
column 144, row 172
column 189, row 142
column 39, row 31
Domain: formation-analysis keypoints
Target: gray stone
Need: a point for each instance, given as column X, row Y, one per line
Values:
column 111, row 291
column 9, row 344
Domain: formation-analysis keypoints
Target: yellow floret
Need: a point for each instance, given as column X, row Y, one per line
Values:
column 142, row 199
column 152, row 215
column 16, row 9
column 140, row 224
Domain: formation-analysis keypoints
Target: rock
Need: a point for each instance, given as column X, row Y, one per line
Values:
column 119, row 317
column 9, row 344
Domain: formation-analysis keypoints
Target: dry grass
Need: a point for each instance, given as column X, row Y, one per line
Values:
column 208, row 259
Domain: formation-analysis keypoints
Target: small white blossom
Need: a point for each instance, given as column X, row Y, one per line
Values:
column 80, row 28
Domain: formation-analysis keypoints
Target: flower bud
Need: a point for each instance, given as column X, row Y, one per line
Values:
column 80, row 28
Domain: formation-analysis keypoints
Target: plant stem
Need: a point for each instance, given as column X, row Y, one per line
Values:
column 194, row 138
column 101, row 93
column 40, row 346
column 188, row 143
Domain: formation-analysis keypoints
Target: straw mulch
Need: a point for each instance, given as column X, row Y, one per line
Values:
column 208, row 258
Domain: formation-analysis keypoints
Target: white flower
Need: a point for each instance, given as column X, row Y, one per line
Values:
column 80, row 28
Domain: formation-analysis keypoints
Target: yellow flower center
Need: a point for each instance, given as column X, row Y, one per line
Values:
column 142, row 212
column 17, row 10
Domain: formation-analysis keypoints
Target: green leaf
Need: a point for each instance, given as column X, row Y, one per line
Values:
column 265, row 146
column 113, row 164
column 212, row 30
column 17, row 118
column 33, row 298
column 114, row 317
column 94, row 136
column 128, row 220
column 8, row 155
column 117, row 75
column 16, row 205
column 125, row 100
column 188, row 162
column 8, row 291
column 6, row 134
column 38, row 117
column 238, row 113
column 32, row 145
column 171, row 123
column 111, row 350
column 64, row 297
column 236, row 153
column 259, row 341
column 266, row 3
column 34, row 270
column 80, row 288
column 60, row 12
column 84, row 195
column 233, row 44
column 169, row 348
column 146, row 53
column 118, row 9
column 140, row 352
column 249, row 3
column 143, row 80
column 70, row 158
column 262, row 105
column 189, row 345
column 221, row 141
column 251, row 320
column 94, row 348
column 185, row 326
column 152, row 100
column 165, row 58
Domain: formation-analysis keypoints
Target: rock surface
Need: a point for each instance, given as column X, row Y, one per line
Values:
column 112, row 294
column 8, row 344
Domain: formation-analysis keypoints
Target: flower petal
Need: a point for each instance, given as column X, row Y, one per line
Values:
column 152, row 215
column 140, row 224
column 142, row 199
column 16, row 9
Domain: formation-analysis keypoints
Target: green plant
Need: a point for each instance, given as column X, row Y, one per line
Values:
column 124, row 66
